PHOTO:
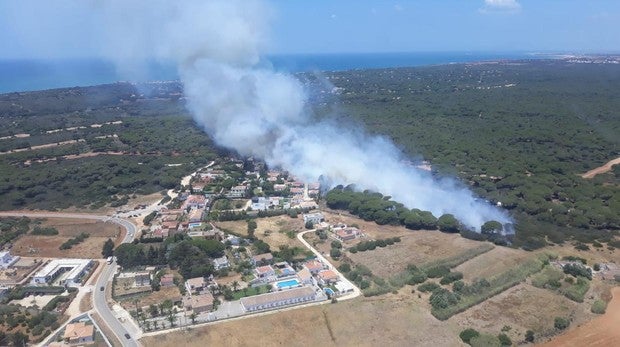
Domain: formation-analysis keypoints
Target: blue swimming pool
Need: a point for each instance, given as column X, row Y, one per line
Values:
column 329, row 291
column 288, row 283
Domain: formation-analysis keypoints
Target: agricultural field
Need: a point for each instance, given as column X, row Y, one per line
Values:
column 492, row 263
column 417, row 247
column 30, row 245
column 520, row 308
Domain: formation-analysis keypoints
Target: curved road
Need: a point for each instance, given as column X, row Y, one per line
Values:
column 107, row 273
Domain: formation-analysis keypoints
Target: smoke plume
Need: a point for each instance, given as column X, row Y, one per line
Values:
column 259, row 112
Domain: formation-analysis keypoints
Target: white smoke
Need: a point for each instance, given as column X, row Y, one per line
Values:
column 259, row 112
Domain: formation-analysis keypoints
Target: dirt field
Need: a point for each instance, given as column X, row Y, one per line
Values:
column 388, row 320
column 47, row 246
column 599, row 332
column 594, row 255
column 152, row 298
column 520, row 308
column 416, row 247
column 491, row 263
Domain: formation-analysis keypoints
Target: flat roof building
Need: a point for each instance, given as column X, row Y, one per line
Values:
column 278, row 299
column 70, row 272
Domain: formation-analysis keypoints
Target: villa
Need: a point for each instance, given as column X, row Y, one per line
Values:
column 314, row 266
column 327, row 277
column 79, row 333
column 264, row 271
column 199, row 303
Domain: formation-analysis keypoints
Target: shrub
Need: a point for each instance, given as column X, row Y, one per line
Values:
column 437, row 271
column 443, row 298
column 529, row 336
column 484, row 340
column 598, row 307
column 49, row 231
column 344, row 267
column 596, row 267
column 468, row 334
column 428, row 287
column 451, row 277
column 561, row 323
column 504, row 340
column 577, row 270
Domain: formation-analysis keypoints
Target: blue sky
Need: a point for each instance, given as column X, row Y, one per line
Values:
column 65, row 28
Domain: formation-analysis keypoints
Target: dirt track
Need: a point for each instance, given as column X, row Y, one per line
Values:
column 601, row 331
column 601, row 169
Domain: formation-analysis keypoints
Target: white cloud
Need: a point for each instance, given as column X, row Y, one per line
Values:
column 500, row 6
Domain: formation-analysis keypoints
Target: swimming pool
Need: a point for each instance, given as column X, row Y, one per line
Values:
column 329, row 291
column 288, row 283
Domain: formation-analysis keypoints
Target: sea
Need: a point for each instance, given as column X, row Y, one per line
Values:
column 28, row 75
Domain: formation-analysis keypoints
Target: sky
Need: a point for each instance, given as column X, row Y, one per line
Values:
column 72, row 29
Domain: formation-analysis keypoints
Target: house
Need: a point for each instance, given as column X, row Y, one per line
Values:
column 237, row 192
column 195, row 285
column 170, row 225
column 343, row 287
column 314, row 266
column 166, row 280
column 264, row 271
column 314, row 218
column 283, row 269
column 347, row 234
column 195, row 201
column 278, row 299
column 259, row 203
column 195, row 216
column 142, row 279
column 6, row 259
column 279, row 187
column 297, row 190
column 221, row 263
column 262, row 259
column 305, row 276
column 199, row 303
column 79, row 332
column 327, row 277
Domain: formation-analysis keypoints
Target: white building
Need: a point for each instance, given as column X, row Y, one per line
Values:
column 278, row 299
column 68, row 272
column 6, row 259
column 315, row 218
column 221, row 263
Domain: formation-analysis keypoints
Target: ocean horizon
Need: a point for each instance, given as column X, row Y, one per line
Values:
column 31, row 75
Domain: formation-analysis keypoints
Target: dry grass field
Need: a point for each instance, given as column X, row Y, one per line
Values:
column 601, row 331
column 389, row 320
column 491, row 263
column 523, row 308
column 48, row 246
column 416, row 247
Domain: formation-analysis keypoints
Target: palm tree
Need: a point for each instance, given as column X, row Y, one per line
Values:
column 235, row 285
column 193, row 317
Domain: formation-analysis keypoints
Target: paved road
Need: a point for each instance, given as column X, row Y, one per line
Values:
column 356, row 291
column 107, row 273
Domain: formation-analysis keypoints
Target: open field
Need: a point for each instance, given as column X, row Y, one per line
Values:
column 48, row 246
column 271, row 230
column 521, row 308
column 492, row 263
column 151, row 298
column 601, row 331
column 388, row 320
column 371, row 229
column 416, row 247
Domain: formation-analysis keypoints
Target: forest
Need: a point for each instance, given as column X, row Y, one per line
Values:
column 519, row 133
